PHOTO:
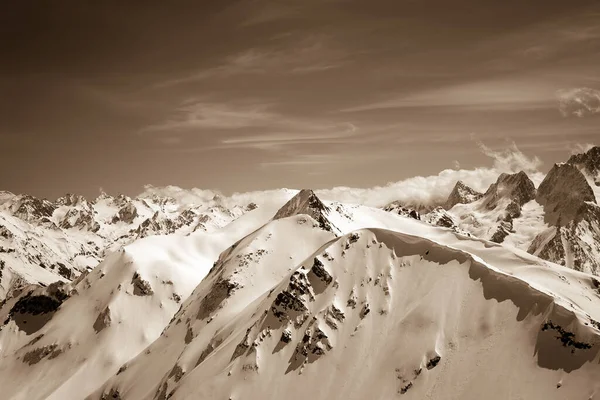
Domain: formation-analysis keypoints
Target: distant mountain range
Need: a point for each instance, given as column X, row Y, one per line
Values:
column 43, row 241
column 489, row 295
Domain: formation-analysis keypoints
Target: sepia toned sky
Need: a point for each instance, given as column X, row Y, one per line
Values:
column 260, row 94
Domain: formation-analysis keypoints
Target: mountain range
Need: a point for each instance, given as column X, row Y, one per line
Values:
column 488, row 295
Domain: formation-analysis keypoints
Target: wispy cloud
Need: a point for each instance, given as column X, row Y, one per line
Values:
column 488, row 94
column 269, row 12
column 579, row 148
column 206, row 115
column 433, row 190
column 327, row 133
column 329, row 160
column 418, row 191
column 511, row 159
column 579, row 102
column 227, row 120
column 307, row 55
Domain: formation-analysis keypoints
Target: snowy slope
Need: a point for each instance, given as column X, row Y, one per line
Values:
column 307, row 329
column 72, row 345
column 383, row 315
column 43, row 242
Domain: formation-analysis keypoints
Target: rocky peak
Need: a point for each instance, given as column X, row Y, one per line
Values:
column 122, row 201
column 563, row 193
column 461, row 194
column 397, row 208
column 440, row 217
column 103, row 196
column 127, row 213
column 306, row 202
column 589, row 162
column 5, row 196
column 72, row 200
column 515, row 187
column 30, row 208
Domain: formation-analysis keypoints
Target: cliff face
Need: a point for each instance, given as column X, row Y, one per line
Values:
column 563, row 193
column 461, row 194
column 570, row 209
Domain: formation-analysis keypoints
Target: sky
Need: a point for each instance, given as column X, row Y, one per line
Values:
column 250, row 95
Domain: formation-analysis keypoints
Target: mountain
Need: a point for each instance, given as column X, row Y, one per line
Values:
column 76, row 335
column 402, row 308
column 490, row 295
column 42, row 242
column 461, row 194
column 505, row 213
column 570, row 209
column 588, row 163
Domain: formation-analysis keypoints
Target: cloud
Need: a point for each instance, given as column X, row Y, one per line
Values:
column 515, row 94
column 327, row 133
column 423, row 191
column 183, row 196
column 310, row 54
column 579, row 102
column 211, row 198
column 270, row 12
column 579, row 148
column 206, row 115
column 278, row 129
column 433, row 190
column 511, row 159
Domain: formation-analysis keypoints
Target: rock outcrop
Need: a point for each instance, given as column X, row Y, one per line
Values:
column 461, row 194
column 307, row 202
column 563, row 193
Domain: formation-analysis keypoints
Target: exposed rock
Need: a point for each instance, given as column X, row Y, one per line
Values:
column 318, row 276
column 127, row 213
column 64, row 271
column 37, row 355
column 575, row 245
column 516, row 187
column 562, row 193
column 306, row 202
column 103, row 320
column 5, row 233
column 567, row 338
column 113, row 394
column 221, row 290
column 461, row 194
column 588, row 162
column 432, row 363
column 140, row 286
column 439, row 217
column 502, row 232
column 31, row 209
column 71, row 200
column 397, row 208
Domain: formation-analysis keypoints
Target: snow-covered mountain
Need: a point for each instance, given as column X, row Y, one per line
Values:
column 42, row 241
column 559, row 221
column 74, row 336
column 487, row 295
column 391, row 307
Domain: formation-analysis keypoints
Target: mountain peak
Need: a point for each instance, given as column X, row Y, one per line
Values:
column 589, row 162
column 563, row 192
column 461, row 194
column 31, row 208
column 306, row 202
column 515, row 187
column 71, row 199
column 400, row 209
